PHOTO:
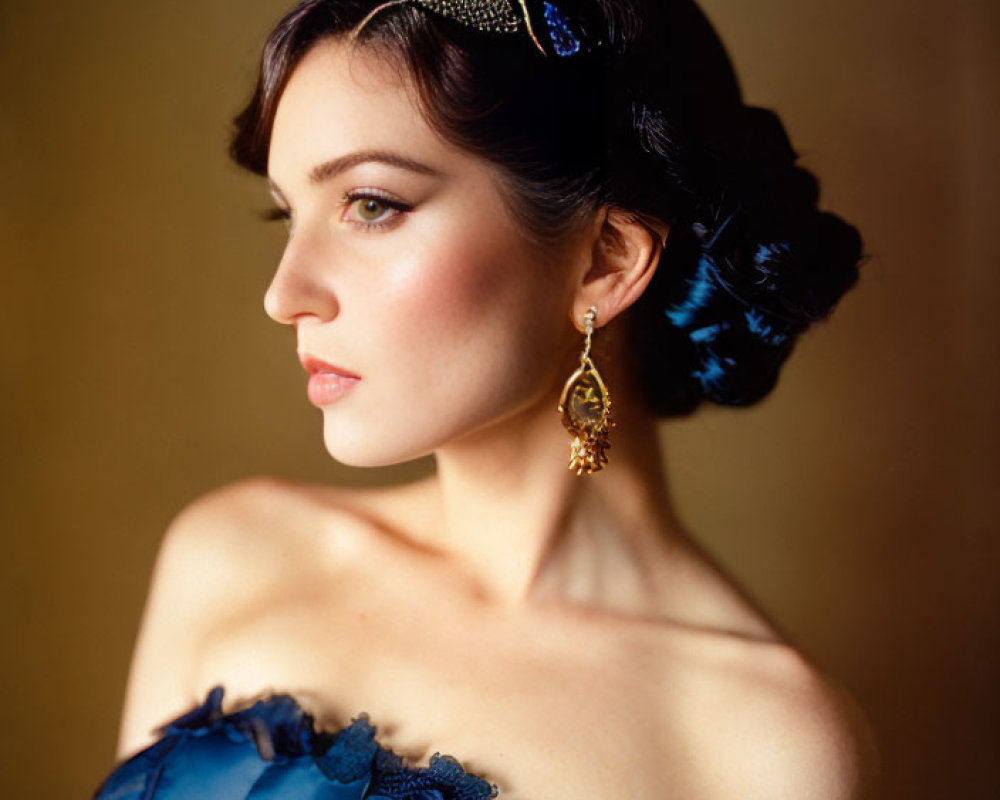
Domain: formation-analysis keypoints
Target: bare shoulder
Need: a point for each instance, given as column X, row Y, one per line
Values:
column 781, row 728
column 236, row 542
column 224, row 554
column 258, row 528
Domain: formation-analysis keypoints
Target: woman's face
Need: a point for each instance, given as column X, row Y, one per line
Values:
column 403, row 269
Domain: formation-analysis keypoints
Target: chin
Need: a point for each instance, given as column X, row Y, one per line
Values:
column 357, row 447
column 383, row 435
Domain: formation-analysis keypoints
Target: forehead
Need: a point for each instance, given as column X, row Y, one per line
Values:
column 343, row 98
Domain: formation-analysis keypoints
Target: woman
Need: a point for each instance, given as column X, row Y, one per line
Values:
column 496, row 208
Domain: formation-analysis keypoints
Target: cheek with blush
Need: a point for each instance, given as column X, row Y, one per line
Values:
column 453, row 291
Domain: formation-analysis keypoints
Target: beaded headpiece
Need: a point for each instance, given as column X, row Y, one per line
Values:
column 557, row 27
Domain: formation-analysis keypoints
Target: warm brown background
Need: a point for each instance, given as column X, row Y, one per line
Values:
column 138, row 369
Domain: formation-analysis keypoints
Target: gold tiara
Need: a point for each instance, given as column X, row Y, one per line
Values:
column 553, row 29
column 493, row 16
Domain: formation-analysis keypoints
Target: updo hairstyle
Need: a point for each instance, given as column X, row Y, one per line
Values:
column 652, row 122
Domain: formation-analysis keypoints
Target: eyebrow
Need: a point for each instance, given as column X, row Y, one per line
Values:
column 335, row 166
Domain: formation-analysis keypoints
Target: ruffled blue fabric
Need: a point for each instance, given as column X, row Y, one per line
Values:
column 272, row 751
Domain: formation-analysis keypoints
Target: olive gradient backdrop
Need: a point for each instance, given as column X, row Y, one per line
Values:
column 138, row 369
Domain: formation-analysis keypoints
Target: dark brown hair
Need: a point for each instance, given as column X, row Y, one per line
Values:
column 652, row 122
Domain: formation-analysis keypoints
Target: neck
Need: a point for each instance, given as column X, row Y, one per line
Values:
column 526, row 528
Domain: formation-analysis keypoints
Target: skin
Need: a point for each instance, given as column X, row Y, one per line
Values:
column 561, row 636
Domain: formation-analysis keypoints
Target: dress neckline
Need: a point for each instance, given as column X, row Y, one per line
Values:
column 281, row 729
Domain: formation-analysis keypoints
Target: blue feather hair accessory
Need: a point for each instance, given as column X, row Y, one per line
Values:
column 697, row 315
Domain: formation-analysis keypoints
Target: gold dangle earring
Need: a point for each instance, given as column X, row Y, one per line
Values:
column 585, row 409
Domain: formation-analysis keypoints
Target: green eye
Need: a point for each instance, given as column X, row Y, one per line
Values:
column 370, row 209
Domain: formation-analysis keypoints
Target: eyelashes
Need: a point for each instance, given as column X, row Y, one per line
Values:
column 368, row 209
column 276, row 215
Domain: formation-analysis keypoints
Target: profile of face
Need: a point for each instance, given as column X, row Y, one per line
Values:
column 404, row 269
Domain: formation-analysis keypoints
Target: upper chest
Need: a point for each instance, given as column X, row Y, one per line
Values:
column 543, row 706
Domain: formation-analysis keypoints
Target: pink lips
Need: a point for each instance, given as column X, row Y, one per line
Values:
column 327, row 383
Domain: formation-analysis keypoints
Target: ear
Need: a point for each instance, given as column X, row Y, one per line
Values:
column 624, row 257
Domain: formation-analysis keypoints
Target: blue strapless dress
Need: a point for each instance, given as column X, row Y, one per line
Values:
column 271, row 751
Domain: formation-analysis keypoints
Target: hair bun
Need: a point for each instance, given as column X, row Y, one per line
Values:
column 759, row 145
column 767, row 263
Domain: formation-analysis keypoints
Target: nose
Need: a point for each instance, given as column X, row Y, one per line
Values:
column 301, row 285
